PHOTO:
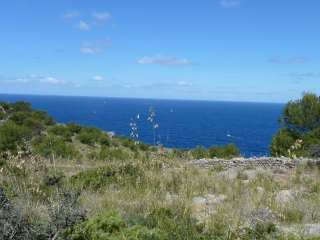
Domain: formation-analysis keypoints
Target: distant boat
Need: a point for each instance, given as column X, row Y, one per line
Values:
column 138, row 116
column 171, row 110
column 94, row 111
column 228, row 134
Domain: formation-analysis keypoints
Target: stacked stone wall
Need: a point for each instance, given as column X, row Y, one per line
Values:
column 265, row 162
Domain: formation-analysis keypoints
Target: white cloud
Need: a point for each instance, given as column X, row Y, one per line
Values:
column 33, row 76
column 97, row 78
column 101, row 16
column 182, row 83
column 229, row 3
column 166, row 60
column 277, row 59
column 13, row 80
column 86, row 47
column 299, row 74
column 71, row 14
column 82, row 25
column 89, row 48
column 51, row 80
column 312, row 74
column 23, row 80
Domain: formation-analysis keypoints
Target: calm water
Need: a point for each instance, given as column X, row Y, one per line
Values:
column 182, row 123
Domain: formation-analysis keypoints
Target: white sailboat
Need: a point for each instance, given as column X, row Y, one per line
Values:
column 228, row 134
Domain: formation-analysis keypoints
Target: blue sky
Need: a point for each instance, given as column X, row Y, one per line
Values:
column 228, row 50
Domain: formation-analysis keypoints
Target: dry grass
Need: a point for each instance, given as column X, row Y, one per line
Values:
column 249, row 199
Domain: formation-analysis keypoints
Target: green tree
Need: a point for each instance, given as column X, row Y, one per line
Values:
column 300, row 121
column 302, row 115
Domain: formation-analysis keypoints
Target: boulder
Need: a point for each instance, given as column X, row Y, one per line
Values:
column 112, row 135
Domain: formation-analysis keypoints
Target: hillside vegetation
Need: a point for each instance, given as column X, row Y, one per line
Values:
column 69, row 181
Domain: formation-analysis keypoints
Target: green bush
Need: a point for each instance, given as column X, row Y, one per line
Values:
column 74, row 127
column 180, row 152
column 86, row 138
column 34, row 124
column 2, row 115
column 57, row 129
column 22, row 106
column 109, row 225
column 52, row 179
column 48, row 145
column 104, row 176
column 12, row 135
column 199, row 152
column 49, row 121
column 227, row 151
column 112, row 154
column 104, row 140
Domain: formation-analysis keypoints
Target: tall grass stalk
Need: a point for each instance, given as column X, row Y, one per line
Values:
column 154, row 125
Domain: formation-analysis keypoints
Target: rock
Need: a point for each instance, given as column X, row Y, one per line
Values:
column 250, row 173
column 170, row 197
column 311, row 230
column 212, row 199
column 284, row 196
column 203, row 207
column 260, row 190
column 245, row 181
column 112, row 135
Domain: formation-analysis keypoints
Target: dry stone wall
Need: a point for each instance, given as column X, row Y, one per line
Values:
column 266, row 162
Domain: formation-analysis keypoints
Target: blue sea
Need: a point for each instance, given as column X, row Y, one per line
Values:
column 182, row 123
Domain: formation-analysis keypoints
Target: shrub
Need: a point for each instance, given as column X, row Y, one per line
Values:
column 104, row 140
column 86, row 138
column 109, row 225
column 48, row 145
column 104, row 176
column 74, row 127
column 314, row 150
column 13, row 135
column 53, row 179
column 22, row 106
column 49, row 121
column 227, row 151
column 112, row 154
column 199, row 152
column 180, row 152
column 57, row 129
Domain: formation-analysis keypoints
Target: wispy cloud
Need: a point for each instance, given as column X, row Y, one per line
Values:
column 277, row 59
column 51, row 80
column 182, row 83
column 101, row 16
column 13, row 80
column 166, row 60
column 299, row 74
column 82, row 25
column 97, row 47
column 88, row 48
column 71, row 14
column 97, row 78
column 229, row 3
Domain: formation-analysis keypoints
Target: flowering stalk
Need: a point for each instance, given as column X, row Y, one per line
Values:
column 154, row 125
column 134, row 128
